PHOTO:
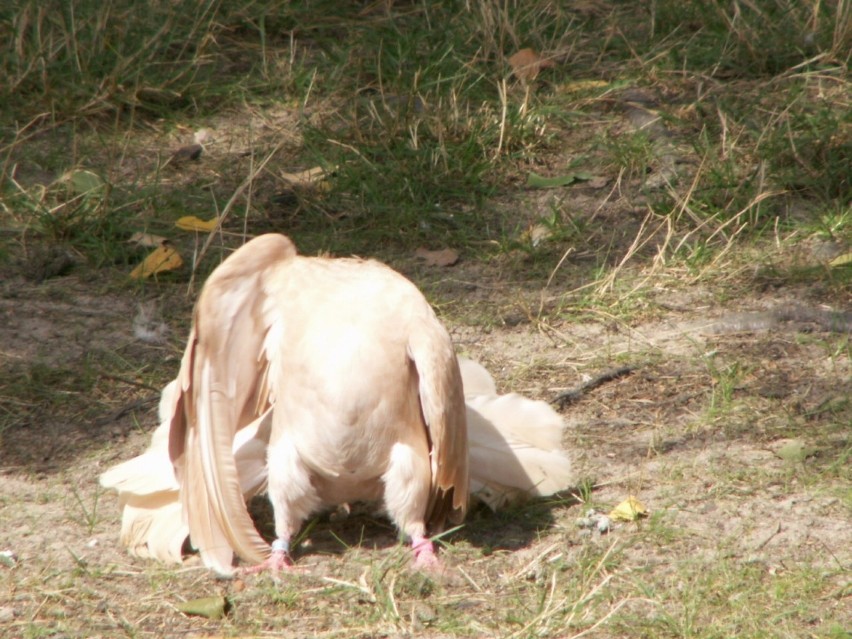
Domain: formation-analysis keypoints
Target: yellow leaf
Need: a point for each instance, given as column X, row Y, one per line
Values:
column 539, row 233
column 578, row 86
column 630, row 509
column 841, row 260
column 163, row 258
column 192, row 223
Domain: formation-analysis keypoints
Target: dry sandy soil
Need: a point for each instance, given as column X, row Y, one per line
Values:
column 693, row 431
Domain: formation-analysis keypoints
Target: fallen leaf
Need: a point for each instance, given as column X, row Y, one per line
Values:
column 147, row 240
column 527, row 64
column 537, row 181
column 193, row 223
column 538, row 233
column 185, row 153
column 308, row 177
column 630, row 509
column 577, row 86
column 795, row 450
column 83, row 181
column 841, row 260
column 209, row 607
column 163, row 258
column 445, row 257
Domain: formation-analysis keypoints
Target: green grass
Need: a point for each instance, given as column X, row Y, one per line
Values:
column 415, row 113
column 725, row 597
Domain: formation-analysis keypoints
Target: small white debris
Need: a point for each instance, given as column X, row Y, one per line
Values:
column 146, row 325
column 594, row 521
column 8, row 558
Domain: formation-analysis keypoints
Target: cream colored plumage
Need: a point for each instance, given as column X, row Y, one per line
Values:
column 322, row 381
column 515, row 443
column 364, row 392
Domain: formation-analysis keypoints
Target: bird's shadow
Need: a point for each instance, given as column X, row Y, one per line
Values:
column 335, row 532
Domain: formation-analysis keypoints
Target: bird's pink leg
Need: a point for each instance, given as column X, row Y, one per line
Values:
column 424, row 553
column 279, row 560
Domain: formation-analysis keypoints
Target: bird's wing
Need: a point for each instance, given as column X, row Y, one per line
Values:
column 515, row 449
column 476, row 380
column 222, row 386
column 152, row 520
column 442, row 404
column 153, row 525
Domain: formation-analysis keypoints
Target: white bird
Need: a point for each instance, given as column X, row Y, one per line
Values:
column 322, row 381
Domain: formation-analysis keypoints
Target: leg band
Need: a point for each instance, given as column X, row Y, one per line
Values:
column 281, row 545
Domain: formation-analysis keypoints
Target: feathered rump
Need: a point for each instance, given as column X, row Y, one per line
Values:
column 514, row 447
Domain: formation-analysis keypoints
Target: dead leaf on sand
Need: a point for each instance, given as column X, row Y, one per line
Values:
column 444, row 257
column 163, row 258
column 308, row 177
column 841, row 260
column 795, row 450
column 209, row 607
column 630, row 509
column 538, row 233
column 193, row 223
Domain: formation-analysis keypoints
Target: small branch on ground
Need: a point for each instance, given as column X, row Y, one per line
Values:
column 570, row 396
column 128, row 408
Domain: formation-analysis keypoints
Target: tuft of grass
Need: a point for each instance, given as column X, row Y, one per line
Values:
column 88, row 515
column 755, row 39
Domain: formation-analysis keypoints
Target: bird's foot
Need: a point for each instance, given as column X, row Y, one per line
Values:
column 424, row 554
column 278, row 561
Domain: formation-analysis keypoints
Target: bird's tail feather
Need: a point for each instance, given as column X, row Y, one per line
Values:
column 442, row 406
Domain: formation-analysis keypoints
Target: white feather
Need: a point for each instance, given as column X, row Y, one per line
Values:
column 515, row 450
column 475, row 379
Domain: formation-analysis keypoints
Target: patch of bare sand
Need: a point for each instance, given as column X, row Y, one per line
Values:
column 715, row 484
